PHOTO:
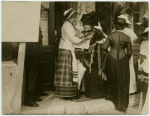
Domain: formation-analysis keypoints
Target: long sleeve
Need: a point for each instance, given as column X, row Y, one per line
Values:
column 102, row 35
column 69, row 32
column 106, row 44
column 129, row 49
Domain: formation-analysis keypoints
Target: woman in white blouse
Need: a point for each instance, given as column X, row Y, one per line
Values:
column 144, row 69
column 66, row 65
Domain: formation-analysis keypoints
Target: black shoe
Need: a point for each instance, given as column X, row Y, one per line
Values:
column 32, row 104
column 38, row 99
column 43, row 94
column 66, row 98
column 71, row 98
column 82, row 93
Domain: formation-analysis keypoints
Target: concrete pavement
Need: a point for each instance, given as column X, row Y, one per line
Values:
column 54, row 105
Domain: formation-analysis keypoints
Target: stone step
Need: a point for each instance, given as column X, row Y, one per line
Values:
column 54, row 105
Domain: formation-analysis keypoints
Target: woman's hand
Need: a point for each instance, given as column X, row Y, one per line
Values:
column 98, row 27
column 141, row 65
column 81, row 35
column 89, row 37
column 101, row 41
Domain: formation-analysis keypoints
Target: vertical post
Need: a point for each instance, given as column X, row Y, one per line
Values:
column 16, row 100
column 51, row 23
column 111, row 17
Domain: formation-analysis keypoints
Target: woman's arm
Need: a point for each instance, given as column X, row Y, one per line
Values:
column 70, row 33
column 106, row 44
column 129, row 49
column 100, row 28
column 85, row 38
column 101, row 41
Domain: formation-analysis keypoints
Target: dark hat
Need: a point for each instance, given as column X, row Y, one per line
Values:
column 91, row 18
column 145, row 32
column 120, row 21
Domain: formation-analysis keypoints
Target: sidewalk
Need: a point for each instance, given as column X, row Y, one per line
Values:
column 54, row 105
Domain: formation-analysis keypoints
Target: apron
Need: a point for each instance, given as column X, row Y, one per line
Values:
column 74, row 66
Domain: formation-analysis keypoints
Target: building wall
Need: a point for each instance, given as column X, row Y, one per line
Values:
column 44, row 27
column 105, row 10
column 87, row 7
column 143, row 7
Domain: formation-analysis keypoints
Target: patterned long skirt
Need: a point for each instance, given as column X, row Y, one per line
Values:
column 64, row 86
column 118, row 81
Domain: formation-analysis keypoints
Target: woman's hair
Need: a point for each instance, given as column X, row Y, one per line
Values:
column 73, row 15
column 120, row 23
column 119, row 27
column 91, row 18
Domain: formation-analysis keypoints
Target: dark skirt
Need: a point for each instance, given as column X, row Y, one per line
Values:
column 143, row 83
column 118, row 81
column 64, row 86
column 93, row 83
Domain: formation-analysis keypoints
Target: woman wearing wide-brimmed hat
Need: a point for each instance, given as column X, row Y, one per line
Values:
column 117, row 66
column 94, row 58
column 66, row 65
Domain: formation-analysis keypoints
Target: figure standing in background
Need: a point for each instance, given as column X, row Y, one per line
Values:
column 33, row 72
column 143, row 63
column 117, row 66
column 39, row 89
column 144, row 69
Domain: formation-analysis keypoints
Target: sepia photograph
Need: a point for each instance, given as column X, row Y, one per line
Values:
column 75, row 57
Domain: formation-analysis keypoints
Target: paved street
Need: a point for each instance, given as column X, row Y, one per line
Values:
column 54, row 105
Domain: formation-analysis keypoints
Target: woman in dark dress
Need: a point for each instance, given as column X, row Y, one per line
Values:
column 94, row 58
column 117, row 66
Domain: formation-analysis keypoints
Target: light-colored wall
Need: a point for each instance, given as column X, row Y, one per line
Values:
column 44, row 27
column 20, row 21
column 85, row 7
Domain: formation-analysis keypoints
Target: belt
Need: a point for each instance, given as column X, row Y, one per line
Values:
column 145, row 74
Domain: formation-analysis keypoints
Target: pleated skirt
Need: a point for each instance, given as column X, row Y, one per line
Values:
column 63, row 82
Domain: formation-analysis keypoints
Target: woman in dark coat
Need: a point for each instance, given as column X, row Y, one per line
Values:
column 94, row 58
column 117, row 66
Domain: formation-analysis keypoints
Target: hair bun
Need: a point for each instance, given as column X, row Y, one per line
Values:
column 91, row 18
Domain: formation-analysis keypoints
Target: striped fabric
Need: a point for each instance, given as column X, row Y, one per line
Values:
column 65, row 80
column 63, row 91
column 74, row 77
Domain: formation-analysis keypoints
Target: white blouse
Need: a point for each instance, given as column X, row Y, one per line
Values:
column 130, row 33
column 144, row 50
column 68, row 37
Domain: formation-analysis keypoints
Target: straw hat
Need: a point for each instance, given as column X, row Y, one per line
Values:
column 125, row 17
column 68, row 13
